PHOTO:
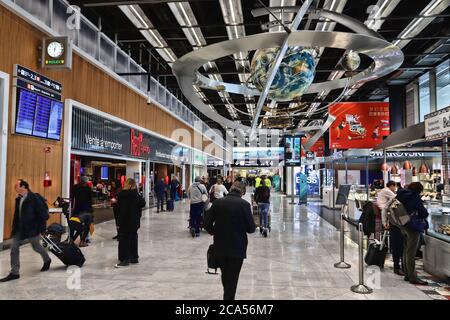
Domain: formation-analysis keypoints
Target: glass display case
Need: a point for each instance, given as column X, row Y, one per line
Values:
column 439, row 221
column 359, row 192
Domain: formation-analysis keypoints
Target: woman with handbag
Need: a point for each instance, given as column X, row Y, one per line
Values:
column 410, row 198
column 217, row 191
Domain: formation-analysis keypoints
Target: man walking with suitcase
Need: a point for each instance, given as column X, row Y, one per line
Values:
column 229, row 220
column 29, row 222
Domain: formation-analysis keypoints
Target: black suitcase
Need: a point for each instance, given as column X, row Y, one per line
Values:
column 68, row 253
column 211, row 260
column 376, row 253
column 170, row 206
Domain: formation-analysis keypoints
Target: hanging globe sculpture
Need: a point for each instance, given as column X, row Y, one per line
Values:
column 293, row 78
column 351, row 61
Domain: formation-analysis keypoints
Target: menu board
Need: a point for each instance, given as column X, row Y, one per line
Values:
column 38, row 115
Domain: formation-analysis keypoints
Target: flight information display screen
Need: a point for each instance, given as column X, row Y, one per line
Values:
column 38, row 115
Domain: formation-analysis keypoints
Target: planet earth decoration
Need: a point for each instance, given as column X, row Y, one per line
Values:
column 294, row 76
column 351, row 61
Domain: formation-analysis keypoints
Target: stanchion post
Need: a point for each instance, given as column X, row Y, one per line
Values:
column 361, row 287
column 342, row 264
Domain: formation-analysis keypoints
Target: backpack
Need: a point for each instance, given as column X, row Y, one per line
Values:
column 397, row 214
column 45, row 213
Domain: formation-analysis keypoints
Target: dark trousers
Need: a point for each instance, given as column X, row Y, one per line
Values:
column 81, row 229
column 160, row 201
column 116, row 215
column 173, row 194
column 230, row 268
column 196, row 215
column 396, row 246
column 128, row 246
column 410, row 245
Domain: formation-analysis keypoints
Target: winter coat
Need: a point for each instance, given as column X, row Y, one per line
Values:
column 129, row 210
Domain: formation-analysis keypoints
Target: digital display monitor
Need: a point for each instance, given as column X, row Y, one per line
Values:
column 38, row 115
column 104, row 175
column 292, row 150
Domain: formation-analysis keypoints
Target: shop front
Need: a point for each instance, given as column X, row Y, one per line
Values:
column 109, row 150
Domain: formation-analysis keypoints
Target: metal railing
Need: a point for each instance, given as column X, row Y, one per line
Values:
column 55, row 14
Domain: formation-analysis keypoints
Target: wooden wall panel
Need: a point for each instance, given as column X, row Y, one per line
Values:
column 84, row 83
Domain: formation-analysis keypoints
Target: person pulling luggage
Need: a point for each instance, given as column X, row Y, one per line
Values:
column 30, row 218
column 262, row 198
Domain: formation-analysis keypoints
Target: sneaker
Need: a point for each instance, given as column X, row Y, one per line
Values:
column 10, row 277
column 134, row 261
column 122, row 265
column 46, row 265
column 193, row 232
column 116, row 237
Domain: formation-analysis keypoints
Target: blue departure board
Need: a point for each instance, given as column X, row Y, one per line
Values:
column 38, row 115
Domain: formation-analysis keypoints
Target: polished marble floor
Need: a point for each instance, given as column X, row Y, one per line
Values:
column 294, row 262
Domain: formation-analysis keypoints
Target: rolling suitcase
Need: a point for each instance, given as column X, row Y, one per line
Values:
column 211, row 260
column 376, row 253
column 170, row 206
column 68, row 253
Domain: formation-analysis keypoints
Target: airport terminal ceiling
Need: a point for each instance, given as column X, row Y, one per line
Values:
column 157, row 33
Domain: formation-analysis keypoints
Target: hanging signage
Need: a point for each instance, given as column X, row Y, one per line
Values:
column 359, row 125
column 437, row 124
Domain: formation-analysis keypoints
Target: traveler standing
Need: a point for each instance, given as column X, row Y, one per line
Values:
column 129, row 206
column 218, row 190
column 82, row 209
column 160, row 190
column 267, row 182
column 262, row 198
column 229, row 220
column 115, row 189
column 195, row 194
column 174, row 188
column 228, row 183
column 30, row 218
column 410, row 198
column 383, row 198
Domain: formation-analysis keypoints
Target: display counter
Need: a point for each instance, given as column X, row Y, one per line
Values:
column 437, row 239
column 327, row 199
column 356, row 200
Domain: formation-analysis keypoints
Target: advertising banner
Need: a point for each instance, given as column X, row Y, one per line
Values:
column 318, row 148
column 359, row 125
column 292, row 150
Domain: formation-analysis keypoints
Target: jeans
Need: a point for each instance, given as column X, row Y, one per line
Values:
column 128, row 246
column 263, row 214
column 15, row 252
column 160, row 201
column 410, row 245
column 397, row 247
column 230, row 268
column 196, row 216
column 173, row 194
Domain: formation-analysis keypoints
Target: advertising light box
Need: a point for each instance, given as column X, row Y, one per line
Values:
column 359, row 125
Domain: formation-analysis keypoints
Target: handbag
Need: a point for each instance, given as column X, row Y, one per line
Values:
column 204, row 195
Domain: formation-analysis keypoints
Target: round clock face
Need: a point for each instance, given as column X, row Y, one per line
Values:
column 55, row 49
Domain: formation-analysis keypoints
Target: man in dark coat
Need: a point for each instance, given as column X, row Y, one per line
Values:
column 29, row 222
column 160, row 190
column 229, row 220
